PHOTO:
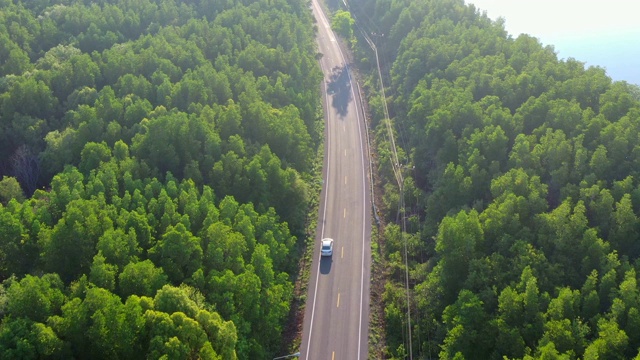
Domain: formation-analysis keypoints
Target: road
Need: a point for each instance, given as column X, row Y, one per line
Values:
column 336, row 321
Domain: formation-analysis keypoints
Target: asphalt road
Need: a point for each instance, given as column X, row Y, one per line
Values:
column 336, row 321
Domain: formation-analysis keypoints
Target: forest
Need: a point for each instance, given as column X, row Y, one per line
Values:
column 156, row 166
column 521, row 190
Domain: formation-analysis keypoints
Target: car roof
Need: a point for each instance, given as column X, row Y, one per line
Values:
column 326, row 241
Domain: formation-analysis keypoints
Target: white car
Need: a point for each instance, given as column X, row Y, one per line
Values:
column 327, row 247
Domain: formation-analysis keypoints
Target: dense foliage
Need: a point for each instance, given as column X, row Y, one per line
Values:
column 522, row 187
column 154, row 161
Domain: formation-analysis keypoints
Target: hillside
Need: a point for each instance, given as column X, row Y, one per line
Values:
column 155, row 165
column 522, row 190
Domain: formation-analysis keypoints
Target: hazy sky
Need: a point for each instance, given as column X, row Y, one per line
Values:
column 598, row 32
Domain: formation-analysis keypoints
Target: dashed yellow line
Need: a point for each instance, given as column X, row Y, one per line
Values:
column 338, row 304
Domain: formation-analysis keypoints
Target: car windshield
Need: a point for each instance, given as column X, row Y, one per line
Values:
column 326, row 247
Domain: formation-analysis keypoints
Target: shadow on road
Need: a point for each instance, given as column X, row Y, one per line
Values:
column 340, row 87
column 325, row 264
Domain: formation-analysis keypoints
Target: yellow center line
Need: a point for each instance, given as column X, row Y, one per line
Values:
column 342, row 255
column 333, row 355
column 345, row 152
column 338, row 304
column 345, row 213
column 345, row 180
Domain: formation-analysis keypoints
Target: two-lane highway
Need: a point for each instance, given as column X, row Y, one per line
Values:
column 336, row 322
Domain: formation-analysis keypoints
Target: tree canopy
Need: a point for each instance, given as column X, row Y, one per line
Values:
column 155, row 161
column 522, row 195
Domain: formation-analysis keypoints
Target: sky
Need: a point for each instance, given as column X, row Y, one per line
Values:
column 598, row 32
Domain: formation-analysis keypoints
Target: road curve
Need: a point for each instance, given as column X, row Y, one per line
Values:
column 336, row 321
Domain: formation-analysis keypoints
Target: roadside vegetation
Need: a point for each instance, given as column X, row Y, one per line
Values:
column 522, row 190
column 156, row 162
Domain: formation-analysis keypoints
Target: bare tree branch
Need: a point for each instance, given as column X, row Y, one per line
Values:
column 26, row 168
